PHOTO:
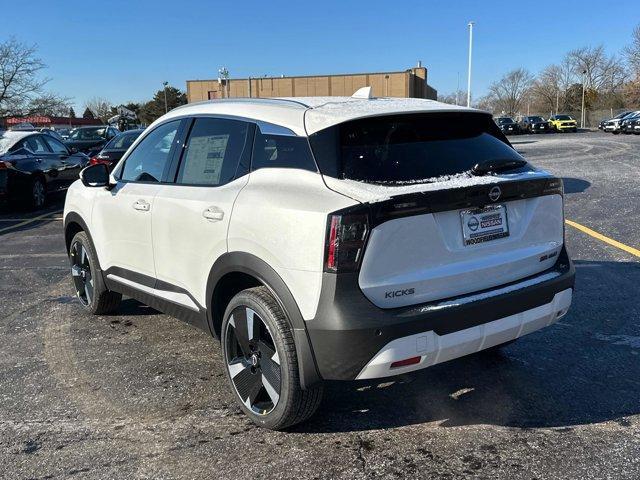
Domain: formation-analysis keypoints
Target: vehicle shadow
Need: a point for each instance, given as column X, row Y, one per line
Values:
column 19, row 219
column 575, row 185
column 582, row 370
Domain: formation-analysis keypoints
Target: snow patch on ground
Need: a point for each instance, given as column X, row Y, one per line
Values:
column 626, row 340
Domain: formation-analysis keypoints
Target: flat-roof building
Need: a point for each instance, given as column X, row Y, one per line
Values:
column 409, row 83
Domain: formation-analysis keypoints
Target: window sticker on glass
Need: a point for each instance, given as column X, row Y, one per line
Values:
column 203, row 162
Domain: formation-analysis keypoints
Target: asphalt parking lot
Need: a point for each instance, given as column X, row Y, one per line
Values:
column 141, row 395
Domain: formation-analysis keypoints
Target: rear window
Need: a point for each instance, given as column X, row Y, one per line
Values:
column 409, row 148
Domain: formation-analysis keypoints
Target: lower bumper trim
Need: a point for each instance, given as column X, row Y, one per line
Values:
column 433, row 348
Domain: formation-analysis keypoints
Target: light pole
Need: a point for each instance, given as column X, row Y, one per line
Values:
column 166, row 108
column 224, row 75
column 582, row 112
column 469, row 73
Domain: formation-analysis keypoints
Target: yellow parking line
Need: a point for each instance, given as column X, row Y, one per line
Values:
column 27, row 222
column 599, row 236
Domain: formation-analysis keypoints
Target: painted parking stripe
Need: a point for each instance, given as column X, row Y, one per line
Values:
column 599, row 236
column 28, row 221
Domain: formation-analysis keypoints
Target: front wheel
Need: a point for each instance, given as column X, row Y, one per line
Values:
column 87, row 277
column 261, row 364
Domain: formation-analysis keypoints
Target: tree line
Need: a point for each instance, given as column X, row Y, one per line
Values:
column 611, row 82
column 23, row 91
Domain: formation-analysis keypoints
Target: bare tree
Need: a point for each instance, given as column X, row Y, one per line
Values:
column 602, row 73
column 100, row 107
column 454, row 98
column 550, row 87
column 49, row 104
column 632, row 52
column 509, row 92
column 19, row 69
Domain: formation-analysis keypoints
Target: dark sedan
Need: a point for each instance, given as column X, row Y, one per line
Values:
column 90, row 140
column 534, row 124
column 33, row 164
column 508, row 125
column 115, row 148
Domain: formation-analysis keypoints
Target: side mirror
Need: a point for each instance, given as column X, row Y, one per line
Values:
column 73, row 150
column 95, row 175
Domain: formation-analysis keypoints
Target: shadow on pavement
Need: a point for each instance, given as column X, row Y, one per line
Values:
column 575, row 185
column 584, row 369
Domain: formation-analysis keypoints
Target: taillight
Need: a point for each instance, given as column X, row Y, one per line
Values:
column 346, row 238
column 97, row 160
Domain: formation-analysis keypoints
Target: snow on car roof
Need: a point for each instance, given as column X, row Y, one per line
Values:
column 9, row 138
column 307, row 115
column 325, row 112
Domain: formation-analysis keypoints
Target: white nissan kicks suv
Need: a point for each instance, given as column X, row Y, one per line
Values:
column 321, row 239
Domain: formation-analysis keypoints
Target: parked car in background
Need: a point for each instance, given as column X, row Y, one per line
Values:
column 113, row 151
column 64, row 132
column 613, row 124
column 563, row 123
column 347, row 240
column 33, row 164
column 23, row 127
column 534, row 124
column 90, row 140
column 53, row 133
column 508, row 125
column 629, row 122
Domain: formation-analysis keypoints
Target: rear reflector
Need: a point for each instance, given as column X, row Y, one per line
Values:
column 406, row 362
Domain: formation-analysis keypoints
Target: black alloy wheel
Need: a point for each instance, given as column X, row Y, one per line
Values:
column 81, row 273
column 252, row 361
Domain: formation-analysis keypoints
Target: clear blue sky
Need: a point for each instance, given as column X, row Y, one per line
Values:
column 123, row 50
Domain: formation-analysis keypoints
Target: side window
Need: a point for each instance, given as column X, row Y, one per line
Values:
column 36, row 144
column 280, row 151
column 213, row 151
column 56, row 146
column 147, row 162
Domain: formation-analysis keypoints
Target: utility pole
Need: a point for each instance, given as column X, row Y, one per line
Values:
column 469, row 73
column 582, row 112
column 166, row 108
column 458, row 89
column 557, row 100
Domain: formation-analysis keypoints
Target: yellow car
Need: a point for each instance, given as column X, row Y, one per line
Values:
column 563, row 123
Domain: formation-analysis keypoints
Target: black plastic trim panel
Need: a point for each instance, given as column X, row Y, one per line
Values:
column 349, row 330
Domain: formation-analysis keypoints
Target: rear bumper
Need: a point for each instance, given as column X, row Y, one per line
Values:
column 351, row 338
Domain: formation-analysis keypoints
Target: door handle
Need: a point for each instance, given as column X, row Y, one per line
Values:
column 142, row 206
column 213, row 214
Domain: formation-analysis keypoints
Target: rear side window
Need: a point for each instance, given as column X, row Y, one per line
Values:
column 281, row 151
column 213, row 151
column 149, row 159
column 410, row 147
column 122, row 141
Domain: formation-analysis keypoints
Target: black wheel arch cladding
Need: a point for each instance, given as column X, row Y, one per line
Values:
column 253, row 267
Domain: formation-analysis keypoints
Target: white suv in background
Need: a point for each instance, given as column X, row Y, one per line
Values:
column 324, row 239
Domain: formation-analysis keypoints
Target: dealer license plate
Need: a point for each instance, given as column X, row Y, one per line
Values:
column 484, row 224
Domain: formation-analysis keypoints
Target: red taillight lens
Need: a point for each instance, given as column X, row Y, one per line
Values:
column 406, row 362
column 346, row 238
column 98, row 160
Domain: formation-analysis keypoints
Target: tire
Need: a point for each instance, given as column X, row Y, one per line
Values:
column 38, row 193
column 615, row 133
column 262, row 368
column 87, row 278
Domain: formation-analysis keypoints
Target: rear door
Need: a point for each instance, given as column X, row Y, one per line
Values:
column 121, row 217
column 191, row 216
column 68, row 166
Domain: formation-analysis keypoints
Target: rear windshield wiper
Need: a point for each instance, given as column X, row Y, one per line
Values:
column 495, row 166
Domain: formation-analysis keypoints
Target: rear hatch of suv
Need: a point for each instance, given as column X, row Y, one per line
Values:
column 452, row 208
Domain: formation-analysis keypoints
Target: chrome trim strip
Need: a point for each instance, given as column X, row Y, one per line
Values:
column 173, row 297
